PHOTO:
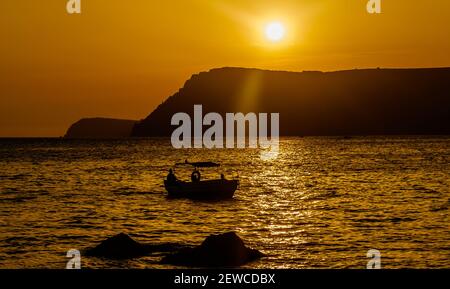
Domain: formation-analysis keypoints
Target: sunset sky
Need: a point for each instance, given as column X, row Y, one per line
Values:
column 122, row 58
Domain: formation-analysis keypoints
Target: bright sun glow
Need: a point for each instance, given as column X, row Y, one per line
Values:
column 275, row 31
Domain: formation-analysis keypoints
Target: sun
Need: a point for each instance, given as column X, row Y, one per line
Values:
column 275, row 31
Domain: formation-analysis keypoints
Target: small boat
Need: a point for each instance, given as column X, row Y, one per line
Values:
column 202, row 190
column 218, row 189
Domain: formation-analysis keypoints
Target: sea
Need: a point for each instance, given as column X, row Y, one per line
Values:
column 323, row 202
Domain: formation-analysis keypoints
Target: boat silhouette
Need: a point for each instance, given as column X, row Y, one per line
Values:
column 197, row 189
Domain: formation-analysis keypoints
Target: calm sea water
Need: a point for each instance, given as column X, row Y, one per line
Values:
column 324, row 202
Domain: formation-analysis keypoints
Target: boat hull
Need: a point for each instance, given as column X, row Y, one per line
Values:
column 203, row 190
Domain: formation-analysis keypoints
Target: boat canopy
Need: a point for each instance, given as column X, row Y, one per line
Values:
column 200, row 164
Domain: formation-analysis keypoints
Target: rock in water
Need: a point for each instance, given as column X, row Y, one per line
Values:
column 120, row 246
column 216, row 251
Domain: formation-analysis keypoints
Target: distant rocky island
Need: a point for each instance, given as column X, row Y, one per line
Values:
column 353, row 102
column 101, row 128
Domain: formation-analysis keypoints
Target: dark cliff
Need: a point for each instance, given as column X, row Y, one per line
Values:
column 101, row 128
column 356, row 102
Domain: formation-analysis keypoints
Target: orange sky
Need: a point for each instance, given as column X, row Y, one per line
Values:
column 122, row 58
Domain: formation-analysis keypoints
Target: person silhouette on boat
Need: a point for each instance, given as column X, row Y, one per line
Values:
column 195, row 177
column 171, row 178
